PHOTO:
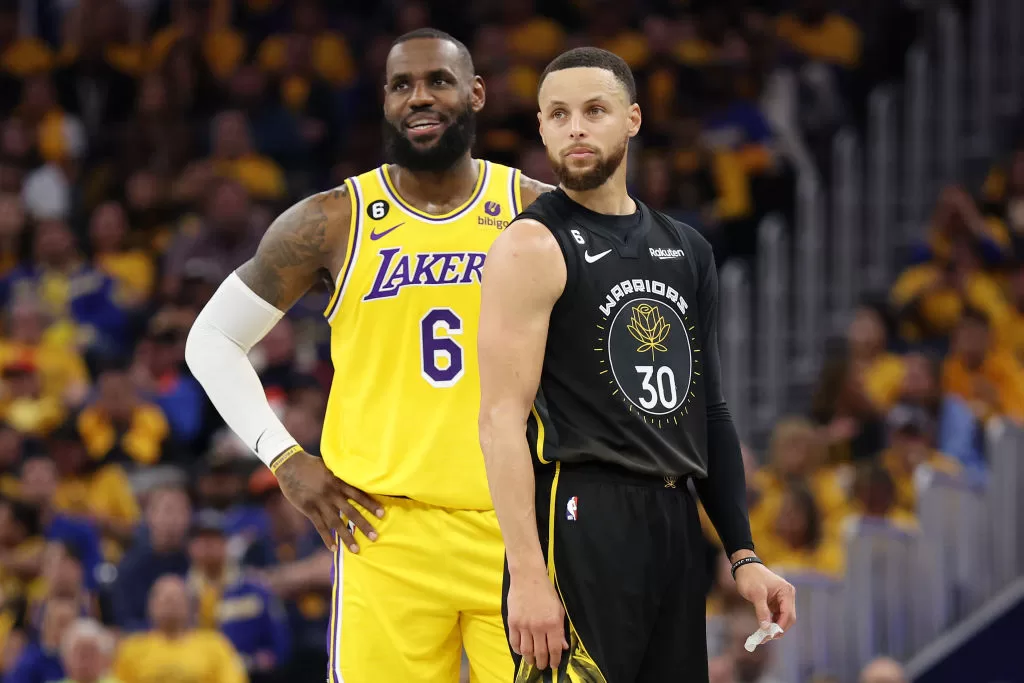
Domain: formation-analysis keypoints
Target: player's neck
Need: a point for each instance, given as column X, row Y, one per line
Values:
column 611, row 198
column 425, row 189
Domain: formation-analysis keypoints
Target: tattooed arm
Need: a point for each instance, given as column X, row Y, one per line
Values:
column 302, row 245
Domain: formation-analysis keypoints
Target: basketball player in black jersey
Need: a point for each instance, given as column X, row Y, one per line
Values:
column 601, row 397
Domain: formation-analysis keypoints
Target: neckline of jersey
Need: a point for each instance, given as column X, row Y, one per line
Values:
column 622, row 228
column 478, row 191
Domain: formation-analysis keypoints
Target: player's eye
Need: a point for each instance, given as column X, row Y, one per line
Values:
column 441, row 81
column 594, row 111
column 557, row 114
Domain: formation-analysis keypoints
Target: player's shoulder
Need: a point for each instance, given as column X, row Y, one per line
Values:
column 334, row 204
column 698, row 244
column 531, row 190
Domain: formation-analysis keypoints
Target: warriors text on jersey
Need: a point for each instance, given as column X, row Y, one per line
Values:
column 402, row 414
column 631, row 360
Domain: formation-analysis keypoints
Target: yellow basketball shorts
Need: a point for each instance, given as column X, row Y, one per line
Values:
column 405, row 605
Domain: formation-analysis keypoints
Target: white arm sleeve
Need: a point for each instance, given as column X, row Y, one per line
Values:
column 232, row 322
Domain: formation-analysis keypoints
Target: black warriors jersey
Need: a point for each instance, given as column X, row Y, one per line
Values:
column 628, row 372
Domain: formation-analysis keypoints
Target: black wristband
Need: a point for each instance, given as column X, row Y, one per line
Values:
column 753, row 559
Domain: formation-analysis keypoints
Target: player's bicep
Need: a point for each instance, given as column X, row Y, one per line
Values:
column 523, row 277
column 297, row 249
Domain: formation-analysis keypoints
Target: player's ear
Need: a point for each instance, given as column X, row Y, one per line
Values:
column 478, row 94
column 540, row 126
column 633, row 119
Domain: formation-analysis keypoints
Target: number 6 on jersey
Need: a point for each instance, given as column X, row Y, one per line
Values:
column 441, row 362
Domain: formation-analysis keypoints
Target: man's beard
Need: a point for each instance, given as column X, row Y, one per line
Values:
column 454, row 142
column 589, row 179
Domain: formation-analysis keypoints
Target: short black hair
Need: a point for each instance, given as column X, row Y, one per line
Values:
column 594, row 57
column 27, row 516
column 437, row 34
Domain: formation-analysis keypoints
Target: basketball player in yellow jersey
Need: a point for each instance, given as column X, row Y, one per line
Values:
column 404, row 245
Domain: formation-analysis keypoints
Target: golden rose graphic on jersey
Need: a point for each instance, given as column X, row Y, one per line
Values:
column 648, row 327
column 648, row 349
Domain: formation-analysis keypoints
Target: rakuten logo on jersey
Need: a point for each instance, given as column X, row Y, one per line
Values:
column 666, row 254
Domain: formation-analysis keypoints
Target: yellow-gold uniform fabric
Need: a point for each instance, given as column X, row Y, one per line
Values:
column 401, row 425
column 407, row 604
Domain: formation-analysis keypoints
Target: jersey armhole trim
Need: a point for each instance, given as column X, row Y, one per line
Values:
column 516, row 192
column 351, row 249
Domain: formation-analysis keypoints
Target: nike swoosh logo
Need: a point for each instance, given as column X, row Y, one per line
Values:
column 595, row 257
column 377, row 235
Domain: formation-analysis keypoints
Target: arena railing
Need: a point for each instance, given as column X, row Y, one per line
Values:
column 956, row 524
column 772, row 321
column 817, row 646
column 1004, row 447
column 736, row 343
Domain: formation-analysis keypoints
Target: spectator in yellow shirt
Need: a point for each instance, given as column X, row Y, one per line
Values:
column 850, row 422
column 930, row 298
column 21, row 546
column 910, row 445
column 874, row 494
column 23, row 402
column 818, row 34
column 989, row 378
column 222, row 47
column 608, row 27
column 102, row 494
column 20, row 56
column 102, row 28
column 235, row 157
column 330, row 54
column 61, row 368
column 796, row 456
column 532, row 37
column 797, row 541
column 210, row 569
column 957, row 212
column 133, row 269
column 118, row 427
column 173, row 651
column 880, row 372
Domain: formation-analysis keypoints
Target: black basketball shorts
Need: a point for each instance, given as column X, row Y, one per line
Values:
column 626, row 554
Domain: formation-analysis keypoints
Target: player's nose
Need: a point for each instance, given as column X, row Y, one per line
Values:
column 420, row 96
column 576, row 130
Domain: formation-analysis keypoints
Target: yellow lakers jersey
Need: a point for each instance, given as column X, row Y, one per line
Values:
column 402, row 415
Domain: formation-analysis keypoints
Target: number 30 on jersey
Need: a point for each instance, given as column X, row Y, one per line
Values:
column 442, row 361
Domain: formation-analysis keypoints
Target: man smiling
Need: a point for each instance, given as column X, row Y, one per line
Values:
column 404, row 245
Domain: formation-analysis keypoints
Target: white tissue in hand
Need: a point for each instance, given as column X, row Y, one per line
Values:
column 761, row 635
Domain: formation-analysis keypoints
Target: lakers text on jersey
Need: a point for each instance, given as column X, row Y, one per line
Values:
column 401, row 418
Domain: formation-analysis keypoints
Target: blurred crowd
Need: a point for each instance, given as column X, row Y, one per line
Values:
column 145, row 146
column 906, row 394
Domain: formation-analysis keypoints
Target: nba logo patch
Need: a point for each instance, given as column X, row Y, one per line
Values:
column 571, row 509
